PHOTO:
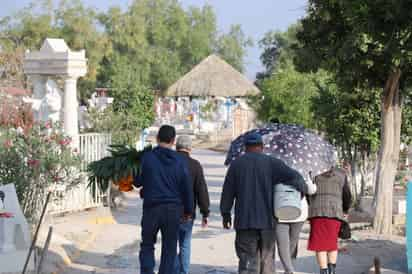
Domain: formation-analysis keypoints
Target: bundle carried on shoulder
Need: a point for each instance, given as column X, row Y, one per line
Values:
column 120, row 168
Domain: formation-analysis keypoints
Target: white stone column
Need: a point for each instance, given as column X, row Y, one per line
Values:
column 70, row 110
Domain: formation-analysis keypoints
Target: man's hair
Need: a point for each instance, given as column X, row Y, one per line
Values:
column 166, row 134
column 183, row 142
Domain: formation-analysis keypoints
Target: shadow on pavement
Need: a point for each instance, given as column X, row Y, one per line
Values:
column 125, row 261
column 391, row 253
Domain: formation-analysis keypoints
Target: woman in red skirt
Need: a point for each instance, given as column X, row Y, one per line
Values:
column 326, row 211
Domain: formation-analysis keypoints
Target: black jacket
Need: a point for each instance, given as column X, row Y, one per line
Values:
column 201, row 194
column 249, row 183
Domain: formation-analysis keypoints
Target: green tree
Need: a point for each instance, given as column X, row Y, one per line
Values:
column 133, row 52
column 25, row 30
column 232, row 47
column 367, row 44
column 286, row 93
column 277, row 49
column 78, row 26
column 133, row 105
column 28, row 27
column 73, row 22
column 351, row 121
column 201, row 36
column 286, row 96
column 153, row 43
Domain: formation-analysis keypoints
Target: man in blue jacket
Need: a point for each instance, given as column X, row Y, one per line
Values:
column 249, row 185
column 167, row 200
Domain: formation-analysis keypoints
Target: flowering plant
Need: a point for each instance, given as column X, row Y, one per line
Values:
column 36, row 159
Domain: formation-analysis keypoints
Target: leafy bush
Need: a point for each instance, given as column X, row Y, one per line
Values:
column 14, row 112
column 118, row 123
column 36, row 160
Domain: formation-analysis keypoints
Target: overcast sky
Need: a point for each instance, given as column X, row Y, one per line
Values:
column 255, row 16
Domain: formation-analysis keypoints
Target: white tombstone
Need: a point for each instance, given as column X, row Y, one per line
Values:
column 47, row 103
column 14, row 234
column 56, row 59
column 180, row 108
column 402, row 207
column 54, row 101
column 100, row 102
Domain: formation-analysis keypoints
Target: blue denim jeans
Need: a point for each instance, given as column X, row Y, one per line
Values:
column 185, row 238
column 165, row 218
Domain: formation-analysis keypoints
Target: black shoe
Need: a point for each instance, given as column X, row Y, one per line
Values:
column 324, row 271
column 332, row 268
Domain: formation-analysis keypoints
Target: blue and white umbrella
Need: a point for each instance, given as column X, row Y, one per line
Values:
column 299, row 148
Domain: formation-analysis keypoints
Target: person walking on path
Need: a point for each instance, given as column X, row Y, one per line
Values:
column 201, row 198
column 287, row 233
column 167, row 200
column 327, row 210
column 249, row 184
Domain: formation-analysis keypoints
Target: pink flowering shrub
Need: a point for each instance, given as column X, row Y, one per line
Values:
column 36, row 159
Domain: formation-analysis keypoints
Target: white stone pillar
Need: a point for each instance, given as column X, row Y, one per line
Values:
column 70, row 110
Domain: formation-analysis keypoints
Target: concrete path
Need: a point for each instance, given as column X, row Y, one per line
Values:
column 108, row 241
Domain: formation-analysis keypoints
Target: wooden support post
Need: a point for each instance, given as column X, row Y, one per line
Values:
column 45, row 250
column 33, row 243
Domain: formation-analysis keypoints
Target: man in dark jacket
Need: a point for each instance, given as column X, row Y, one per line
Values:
column 249, row 184
column 167, row 200
column 201, row 198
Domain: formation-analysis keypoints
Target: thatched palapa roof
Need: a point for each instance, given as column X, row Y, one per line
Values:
column 213, row 77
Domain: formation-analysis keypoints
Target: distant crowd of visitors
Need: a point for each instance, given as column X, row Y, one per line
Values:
column 173, row 184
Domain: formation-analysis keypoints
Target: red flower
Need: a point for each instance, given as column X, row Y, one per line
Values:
column 6, row 215
column 65, row 142
column 33, row 162
column 8, row 144
column 56, row 178
column 48, row 124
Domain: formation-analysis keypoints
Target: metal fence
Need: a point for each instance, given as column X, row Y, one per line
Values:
column 93, row 147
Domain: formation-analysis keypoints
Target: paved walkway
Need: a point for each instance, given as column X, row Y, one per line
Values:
column 108, row 242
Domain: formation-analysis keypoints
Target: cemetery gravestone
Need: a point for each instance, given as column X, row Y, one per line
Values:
column 14, row 234
column 56, row 59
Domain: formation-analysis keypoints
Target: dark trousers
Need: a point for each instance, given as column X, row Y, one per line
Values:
column 165, row 218
column 255, row 249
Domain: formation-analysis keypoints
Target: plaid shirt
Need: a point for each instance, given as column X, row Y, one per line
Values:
column 333, row 197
